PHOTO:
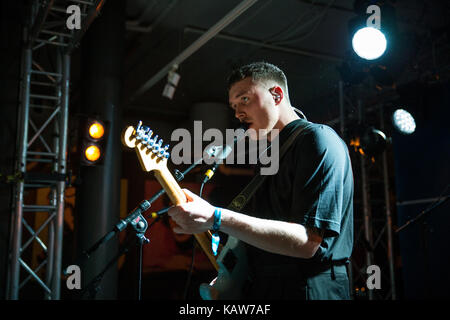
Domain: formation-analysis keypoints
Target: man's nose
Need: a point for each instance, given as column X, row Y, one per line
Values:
column 239, row 114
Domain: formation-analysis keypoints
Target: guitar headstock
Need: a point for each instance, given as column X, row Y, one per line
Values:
column 151, row 153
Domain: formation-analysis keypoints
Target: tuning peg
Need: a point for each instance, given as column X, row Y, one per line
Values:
column 157, row 146
column 146, row 136
column 138, row 127
column 141, row 132
column 151, row 142
column 163, row 151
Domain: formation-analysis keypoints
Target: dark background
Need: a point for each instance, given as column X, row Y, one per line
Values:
column 310, row 41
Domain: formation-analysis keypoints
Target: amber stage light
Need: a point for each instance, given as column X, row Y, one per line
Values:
column 92, row 153
column 96, row 130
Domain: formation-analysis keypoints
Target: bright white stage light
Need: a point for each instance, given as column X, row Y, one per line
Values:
column 404, row 121
column 369, row 43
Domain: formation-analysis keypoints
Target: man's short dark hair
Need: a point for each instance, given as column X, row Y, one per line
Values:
column 258, row 71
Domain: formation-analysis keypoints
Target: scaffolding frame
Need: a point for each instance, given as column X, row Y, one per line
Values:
column 376, row 213
column 41, row 146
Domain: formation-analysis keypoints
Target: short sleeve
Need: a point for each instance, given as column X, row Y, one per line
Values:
column 321, row 160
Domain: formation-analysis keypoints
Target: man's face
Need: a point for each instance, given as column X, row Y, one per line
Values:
column 253, row 103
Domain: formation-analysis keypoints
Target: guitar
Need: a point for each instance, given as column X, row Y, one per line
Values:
column 231, row 262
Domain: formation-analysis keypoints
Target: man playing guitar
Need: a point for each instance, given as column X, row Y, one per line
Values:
column 298, row 226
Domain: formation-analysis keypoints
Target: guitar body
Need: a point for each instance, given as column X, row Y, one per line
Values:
column 232, row 273
column 231, row 263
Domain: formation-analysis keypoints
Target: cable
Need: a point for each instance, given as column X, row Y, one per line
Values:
column 290, row 29
column 250, row 17
column 297, row 38
column 201, row 189
column 441, row 199
column 191, row 268
column 300, row 113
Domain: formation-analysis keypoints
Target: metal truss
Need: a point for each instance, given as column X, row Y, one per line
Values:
column 373, row 242
column 36, row 234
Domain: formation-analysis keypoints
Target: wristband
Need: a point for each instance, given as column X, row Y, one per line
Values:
column 216, row 226
column 217, row 219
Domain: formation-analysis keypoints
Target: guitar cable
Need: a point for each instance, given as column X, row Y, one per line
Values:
column 156, row 216
column 208, row 176
column 191, row 268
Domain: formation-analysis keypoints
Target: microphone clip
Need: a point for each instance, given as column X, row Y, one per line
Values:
column 134, row 217
column 140, row 225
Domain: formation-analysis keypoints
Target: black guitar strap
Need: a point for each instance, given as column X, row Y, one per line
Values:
column 241, row 200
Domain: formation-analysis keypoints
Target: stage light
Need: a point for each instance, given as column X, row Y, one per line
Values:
column 369, row 43
column 92, row 153
column 172, row 82
column 373, row 141
column 96, row 130
column 403, row 121
column 168, row 91
column 93, row 132
column 369, row 141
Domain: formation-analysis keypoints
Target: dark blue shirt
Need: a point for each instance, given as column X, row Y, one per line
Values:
column 313, row 187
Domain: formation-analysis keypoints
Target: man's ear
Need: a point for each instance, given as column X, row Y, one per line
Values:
column 277, row 94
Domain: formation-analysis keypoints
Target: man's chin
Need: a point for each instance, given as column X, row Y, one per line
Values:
column 254, row 134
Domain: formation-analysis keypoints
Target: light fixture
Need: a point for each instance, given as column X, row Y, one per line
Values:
column 172, row 82
column 369, row 141
column 96, row 130
column 403, row 121
column 92, row 153
column 369, row 43
column 93, row 136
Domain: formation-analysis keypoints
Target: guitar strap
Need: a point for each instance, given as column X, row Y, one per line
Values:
column 242, row 198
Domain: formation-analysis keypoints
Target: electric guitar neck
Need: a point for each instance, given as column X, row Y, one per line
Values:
column 154, row 157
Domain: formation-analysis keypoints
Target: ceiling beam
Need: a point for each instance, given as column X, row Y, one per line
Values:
column 221, row 24
column 324, row 5
column 259, row 43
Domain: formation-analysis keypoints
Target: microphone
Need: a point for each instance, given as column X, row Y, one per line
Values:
column 222, row 153
column 142, row 207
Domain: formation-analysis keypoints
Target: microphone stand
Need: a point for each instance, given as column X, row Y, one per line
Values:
column 424, row 232
column 94, row 285
column 422, row 214
column 140, row 225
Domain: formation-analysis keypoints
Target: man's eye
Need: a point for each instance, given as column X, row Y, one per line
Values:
column 245, row 99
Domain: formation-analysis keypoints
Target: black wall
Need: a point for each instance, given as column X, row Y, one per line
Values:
column 98, row 192
column 422, row 170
